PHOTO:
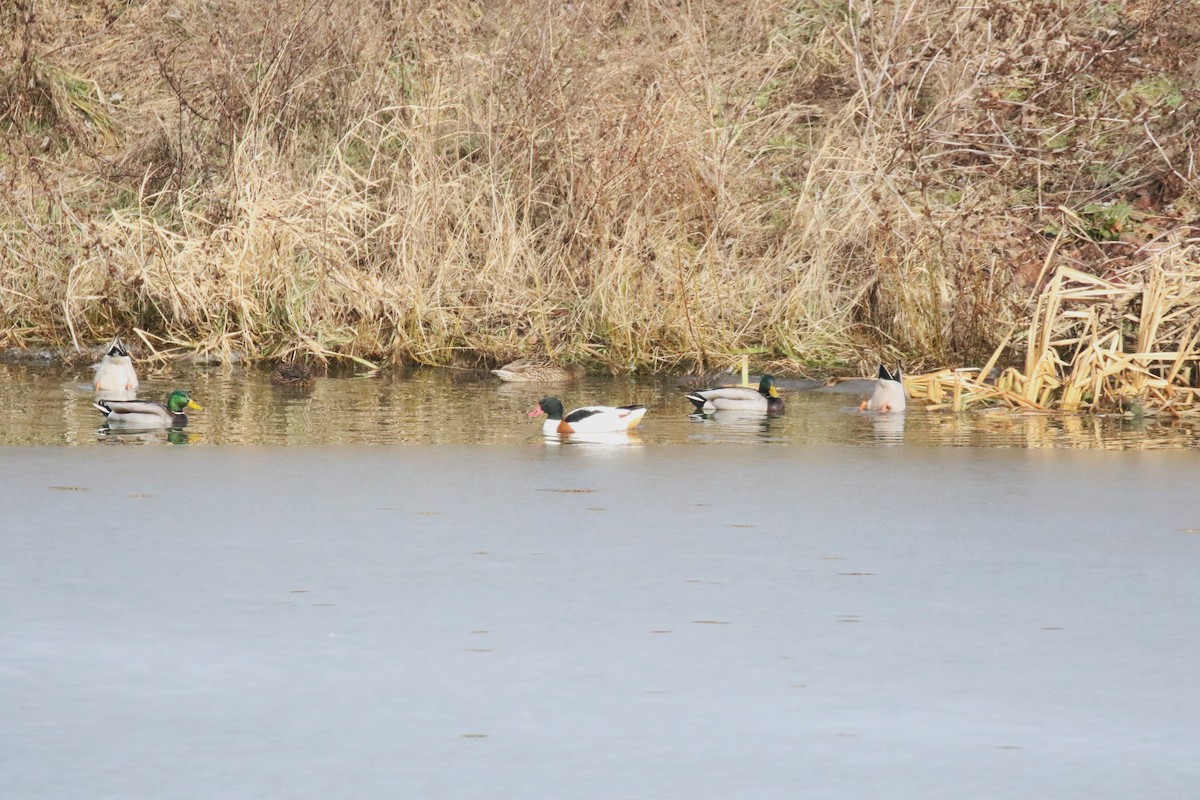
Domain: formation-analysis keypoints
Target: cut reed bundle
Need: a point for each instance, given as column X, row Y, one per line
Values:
column 1127, row 343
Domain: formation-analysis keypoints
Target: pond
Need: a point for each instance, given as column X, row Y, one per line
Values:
column 394, row 586
column 52, row 404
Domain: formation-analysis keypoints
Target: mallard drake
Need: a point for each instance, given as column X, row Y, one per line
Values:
column 148, row 413
column 115, row 372
column 294, row 374
column 739, row 398
column 525, row 370
column 589, row 419
column 888, row 394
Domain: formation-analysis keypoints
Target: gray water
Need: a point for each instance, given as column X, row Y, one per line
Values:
column 326, row 605
column 569, row 622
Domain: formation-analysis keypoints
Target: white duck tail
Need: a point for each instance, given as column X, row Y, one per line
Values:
column 889, row 394
column 115, row 372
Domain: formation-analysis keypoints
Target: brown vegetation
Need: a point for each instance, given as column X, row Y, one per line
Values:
column 1129, row 344
column 642, row 184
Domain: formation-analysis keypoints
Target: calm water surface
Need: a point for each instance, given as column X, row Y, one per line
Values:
column 502, row 617
column 51, row 404
column 581, row 623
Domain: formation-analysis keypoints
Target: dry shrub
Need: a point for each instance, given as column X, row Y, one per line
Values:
column 638, row 184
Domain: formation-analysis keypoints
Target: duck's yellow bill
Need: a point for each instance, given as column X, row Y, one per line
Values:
column 192, row 404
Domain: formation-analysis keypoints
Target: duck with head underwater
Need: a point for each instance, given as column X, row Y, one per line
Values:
column 739, row 398
column 888, row 394
column 148, row 414
column 115, row 372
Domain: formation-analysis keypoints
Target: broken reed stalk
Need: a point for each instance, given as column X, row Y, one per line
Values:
column 1129, row 344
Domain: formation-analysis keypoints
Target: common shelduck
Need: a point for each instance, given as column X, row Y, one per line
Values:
column 589, row 419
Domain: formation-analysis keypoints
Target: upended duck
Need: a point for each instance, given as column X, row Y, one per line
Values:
column 148, row 413
column 115, row 372
column 888, row 394
column 589, row 419
column 525, row 370
column 739, row 398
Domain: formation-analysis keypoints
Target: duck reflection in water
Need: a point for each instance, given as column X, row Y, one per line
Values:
column 733, row 426
column 888, row 428
column 168, row 436
column 602, row 440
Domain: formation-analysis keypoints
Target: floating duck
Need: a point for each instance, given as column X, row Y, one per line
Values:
column 739, row 398
column 294, row 374
column 148, row 413
column 889, row 393
column 527, row 371
column 589, row 419
column 115, row 372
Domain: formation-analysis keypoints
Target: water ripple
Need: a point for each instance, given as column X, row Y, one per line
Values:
column 52, row 405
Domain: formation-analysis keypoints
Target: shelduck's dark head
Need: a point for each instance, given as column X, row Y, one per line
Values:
column 552, row 407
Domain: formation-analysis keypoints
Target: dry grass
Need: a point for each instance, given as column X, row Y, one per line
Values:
column 626, row 183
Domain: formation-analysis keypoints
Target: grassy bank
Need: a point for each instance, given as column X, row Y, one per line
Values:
column 633, row 184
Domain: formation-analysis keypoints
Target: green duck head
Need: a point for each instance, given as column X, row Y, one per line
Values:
column 179, row 400
column 766, row 386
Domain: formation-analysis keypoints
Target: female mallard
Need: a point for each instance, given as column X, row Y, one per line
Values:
column 148, row 413
column 295, row 374
column 739, row 398
column 889, row 393
column 115, row 372
column 528, row 371
column 589, row 419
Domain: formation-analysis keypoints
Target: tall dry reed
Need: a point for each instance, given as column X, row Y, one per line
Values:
column 629, row 183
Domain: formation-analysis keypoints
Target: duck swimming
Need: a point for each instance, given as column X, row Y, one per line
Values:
column 148, row 413
column 295, row 374
column 525, row 370
column 115, row 372
column 889, row 393
column 589, row 419
column 739, row 398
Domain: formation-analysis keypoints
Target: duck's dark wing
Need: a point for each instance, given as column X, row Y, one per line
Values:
column 581, row 414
